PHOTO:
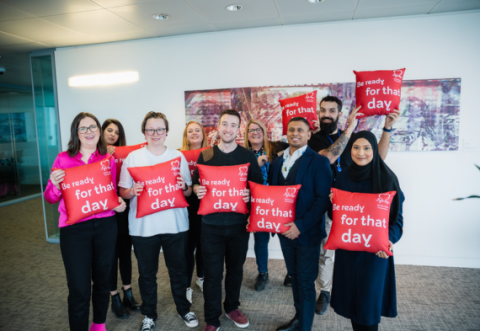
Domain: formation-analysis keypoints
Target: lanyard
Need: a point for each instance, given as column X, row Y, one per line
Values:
column 339, row 169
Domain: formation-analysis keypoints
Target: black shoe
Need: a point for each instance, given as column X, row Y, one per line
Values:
column 261, row 281
column 287, row 281
column 290, row 326
column 118, row 308
column 322, row 303
column 129, row 301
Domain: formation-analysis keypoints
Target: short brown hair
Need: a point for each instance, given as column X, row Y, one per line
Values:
column 186, row 145
column 232, row 112
column 153, row 114
column 74, row 143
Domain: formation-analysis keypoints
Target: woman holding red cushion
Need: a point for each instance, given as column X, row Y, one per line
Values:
column 194, row 137
column 88, row 246
column 114, row 135
column 364, row 283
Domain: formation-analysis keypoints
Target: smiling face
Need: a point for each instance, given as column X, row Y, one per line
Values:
column 298, row 134
column 154, row 124
column 194, row 134
column 362, row 152
column 228, row 128
column 88, row 139
column 111, row 134
column 255, row 137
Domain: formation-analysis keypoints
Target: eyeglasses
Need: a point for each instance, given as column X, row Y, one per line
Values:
column 159, row 131
column 84, row 129
column 255, row 130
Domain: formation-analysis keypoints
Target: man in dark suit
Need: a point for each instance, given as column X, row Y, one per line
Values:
column 301, row 243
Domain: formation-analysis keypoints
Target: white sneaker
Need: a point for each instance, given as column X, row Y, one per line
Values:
column 189, row 294
column 190, row 319
column 147, row 324
column 200, row 283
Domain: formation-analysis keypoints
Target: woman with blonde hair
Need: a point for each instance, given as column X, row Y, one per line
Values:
column 194, row 137
column 266, row 151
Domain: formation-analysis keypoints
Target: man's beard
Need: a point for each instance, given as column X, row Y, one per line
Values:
column 328, row 128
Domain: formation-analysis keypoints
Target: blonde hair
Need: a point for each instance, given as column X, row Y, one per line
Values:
column 186, row 145
column 267, row 145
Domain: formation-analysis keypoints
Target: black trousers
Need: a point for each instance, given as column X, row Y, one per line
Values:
column 359, row 327
column 122, row 258
column 229, row 245
column 147, row 251
column 87, row 250
column 194, row 243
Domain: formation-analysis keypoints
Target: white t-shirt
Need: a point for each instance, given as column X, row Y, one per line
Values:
column 167, row 221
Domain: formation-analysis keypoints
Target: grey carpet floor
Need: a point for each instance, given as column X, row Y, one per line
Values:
column 33, row 290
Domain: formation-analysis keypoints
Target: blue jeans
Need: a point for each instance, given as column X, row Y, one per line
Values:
column 261, row 250
column 302, row 267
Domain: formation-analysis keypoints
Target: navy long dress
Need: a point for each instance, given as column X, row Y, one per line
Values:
column 363, row 283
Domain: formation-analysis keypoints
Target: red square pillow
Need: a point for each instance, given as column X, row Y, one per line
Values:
column 225, row 186
column 360, row 221
column 160, row 190
column 88, row 190
column 272, row 207
column 121, row 153
column 302, row 106
column 192, row 157
column 378, row 92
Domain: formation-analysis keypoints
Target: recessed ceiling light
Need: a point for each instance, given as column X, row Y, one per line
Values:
column 314, row 1
column 234, row 7
column 161, row 17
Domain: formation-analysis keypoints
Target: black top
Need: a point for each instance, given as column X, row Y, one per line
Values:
column 320, row 141
column 238, row 156
column 292, row 174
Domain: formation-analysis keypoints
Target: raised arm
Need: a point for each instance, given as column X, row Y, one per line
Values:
column 384, row 143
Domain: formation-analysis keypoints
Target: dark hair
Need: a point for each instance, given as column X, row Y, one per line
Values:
column 298, row 119
column 122, row 140
column 232, row 112
column 153, row 114
column 74, row 143
column 331, row 98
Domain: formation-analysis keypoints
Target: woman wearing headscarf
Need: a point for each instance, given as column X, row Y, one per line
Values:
column 364, row 283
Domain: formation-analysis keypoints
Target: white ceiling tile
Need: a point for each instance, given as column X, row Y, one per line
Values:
column 392, row 11
column 29, row 47
column 393, row 3
column 456, row 5
column 105, row 38
column 8, row 39
column 178, row 30
column 141, row 15
column 93, row 23
column 118, row 3
column 51, row 7
column 246, row 24
column 303, row 7
column 214, row 10
column 70, row 41
column 8, row 13
column 318, row 17
column 35, row 29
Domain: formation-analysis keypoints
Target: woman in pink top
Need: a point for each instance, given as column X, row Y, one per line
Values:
column 88, row 246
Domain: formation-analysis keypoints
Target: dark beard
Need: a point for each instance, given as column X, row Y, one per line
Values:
column 328, row 128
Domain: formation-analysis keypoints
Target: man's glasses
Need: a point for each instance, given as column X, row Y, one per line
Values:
column 160, row 131
column 84, row 129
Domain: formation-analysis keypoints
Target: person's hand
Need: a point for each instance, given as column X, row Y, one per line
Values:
column 331, row 196
column 316, row 125
column 56, row 177
column 201, row 191
column 110, row 150
column 181, row 182
column 262, row 159
column 391, row 118
column 246, row 195
column 353, row 120
column 137, row 189
column 293, row 232
column 248, row 223
column 384, row 255
column 120, row 208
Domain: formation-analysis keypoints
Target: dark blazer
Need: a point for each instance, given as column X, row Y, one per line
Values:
column 313, row 200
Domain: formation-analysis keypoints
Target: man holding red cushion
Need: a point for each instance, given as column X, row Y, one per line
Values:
column 330, row 142
column 301, row 243
column 224, row 236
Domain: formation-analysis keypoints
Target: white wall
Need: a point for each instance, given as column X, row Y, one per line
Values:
column 438, row 231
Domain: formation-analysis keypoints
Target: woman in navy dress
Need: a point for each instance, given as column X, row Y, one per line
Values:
column 364, row 283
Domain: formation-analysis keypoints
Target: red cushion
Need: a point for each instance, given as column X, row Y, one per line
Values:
column 360, row 221
column 225, row 186
column 88, row 190
column 272, row 207
column 160, row 190
column 302, row 106
column 192, row 157
column 121, row 153
column 378, row 92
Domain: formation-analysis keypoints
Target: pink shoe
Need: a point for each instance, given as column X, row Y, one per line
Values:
column 238, row 318
column 98, row 327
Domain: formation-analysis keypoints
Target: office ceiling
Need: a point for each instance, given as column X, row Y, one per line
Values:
column 29, row 25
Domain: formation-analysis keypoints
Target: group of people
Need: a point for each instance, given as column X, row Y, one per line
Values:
column 359, row 286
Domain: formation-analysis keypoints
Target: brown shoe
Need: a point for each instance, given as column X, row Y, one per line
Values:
column 209, row 327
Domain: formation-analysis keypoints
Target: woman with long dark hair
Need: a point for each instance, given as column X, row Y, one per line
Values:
column 88, row 246
column 114, row 136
